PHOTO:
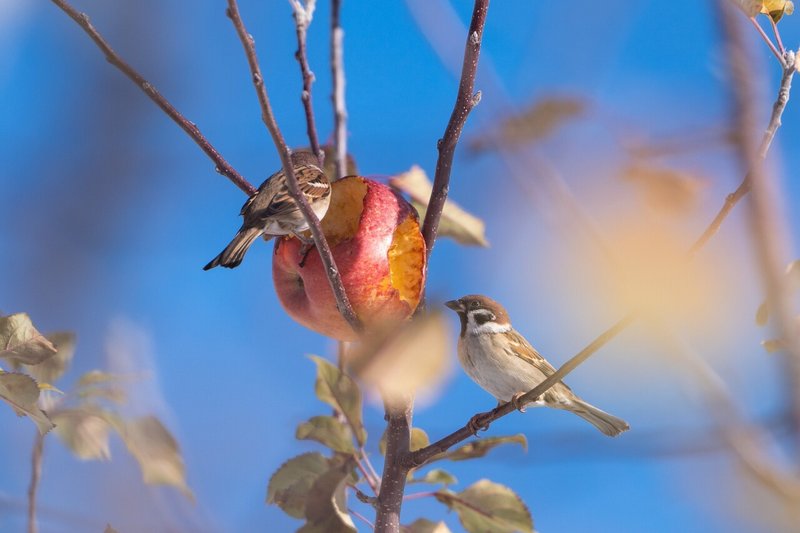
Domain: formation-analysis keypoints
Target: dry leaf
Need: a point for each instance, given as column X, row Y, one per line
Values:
column 22, row 393
column 21, row 343
column 408, row 357
column 455, row 223
column 664, row 188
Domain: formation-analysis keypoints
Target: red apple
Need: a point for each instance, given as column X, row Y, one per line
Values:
column 375, row 238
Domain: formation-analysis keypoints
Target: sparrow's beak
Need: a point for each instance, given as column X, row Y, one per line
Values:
column 455, row 305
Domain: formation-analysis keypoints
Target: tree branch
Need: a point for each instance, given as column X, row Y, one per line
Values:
column 422, row 455
column 36, row 476
column 339, row 106
column 334, row 278
column 302, row 19
column 220, row 164
column 465, row 102
column 393, row 481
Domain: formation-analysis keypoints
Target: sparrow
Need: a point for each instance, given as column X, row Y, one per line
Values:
column 504, row 363
column 272, row 212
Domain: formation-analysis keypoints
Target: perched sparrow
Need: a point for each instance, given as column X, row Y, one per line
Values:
column 272, row 212
column 501, row 361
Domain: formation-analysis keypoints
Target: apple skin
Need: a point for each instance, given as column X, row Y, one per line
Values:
column 375, row 239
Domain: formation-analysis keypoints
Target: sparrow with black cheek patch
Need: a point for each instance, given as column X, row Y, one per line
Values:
column 501, row 361
column 272, row 212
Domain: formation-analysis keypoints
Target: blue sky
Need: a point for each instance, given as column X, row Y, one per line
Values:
column 109, row 212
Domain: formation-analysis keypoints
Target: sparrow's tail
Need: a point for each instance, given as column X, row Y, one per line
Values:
column 608, row 424
column 233, row 254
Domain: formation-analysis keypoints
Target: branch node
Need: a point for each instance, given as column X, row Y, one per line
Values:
column 474, row 38
column 476, row 99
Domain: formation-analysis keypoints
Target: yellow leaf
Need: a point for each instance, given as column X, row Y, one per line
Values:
column 777, row 8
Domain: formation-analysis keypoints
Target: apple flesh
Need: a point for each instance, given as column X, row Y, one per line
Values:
column 375, row 238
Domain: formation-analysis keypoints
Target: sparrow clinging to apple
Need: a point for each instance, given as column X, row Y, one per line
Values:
column 272, row 212
column 504, row 363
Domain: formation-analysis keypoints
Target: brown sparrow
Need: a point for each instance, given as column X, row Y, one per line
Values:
column 272, row 212
column 501, row 361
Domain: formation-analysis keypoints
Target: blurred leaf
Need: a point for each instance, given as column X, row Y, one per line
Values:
column 289, row 485
column 419, row 439
column 94, row 377
column 762, row 314
column 750, row 7
column 340, row 392
column 112, row 394
column 772, row 346
column 533, row 124
column 793, row 271
column 22, row 393
column 157, row 452
column 109, row 529
column 776, row 9
column 408, row 357
column 51, row 370
column 435, row 477
column 423, row 525
column 480, row 447
column 21, row 343
column 455, row 223
column 488, row 507
column 329, row 432
column 326, row 503
column 84, row 431
column 662, row 188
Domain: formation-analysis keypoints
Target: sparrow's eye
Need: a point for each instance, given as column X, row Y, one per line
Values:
column 473, row 304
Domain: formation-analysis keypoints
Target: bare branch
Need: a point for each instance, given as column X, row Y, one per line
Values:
column 465, row 102
column 393, row 481
column 422, row 455
column 220, row 164
column 36, row 476
column 302, row 19
column 339, row 106
column 334, row 278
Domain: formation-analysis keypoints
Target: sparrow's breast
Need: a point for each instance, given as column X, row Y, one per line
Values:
column 493, row 366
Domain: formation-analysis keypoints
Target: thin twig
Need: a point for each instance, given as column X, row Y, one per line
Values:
column 339, row 106
column 766, row 226
column 220, row 164
column 767, row 40
column 334, row 278
column 422, row 455
column 302, row 19
column 371, row 468
column 367, row 476
column 466, row 100
column 361, row 517
column 36, row 476
column 419, row 495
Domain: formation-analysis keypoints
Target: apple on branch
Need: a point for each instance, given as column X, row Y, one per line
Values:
column 375, row 238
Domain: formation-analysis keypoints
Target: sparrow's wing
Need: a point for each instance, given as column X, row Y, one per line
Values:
column 276, row 202
column 522, row 349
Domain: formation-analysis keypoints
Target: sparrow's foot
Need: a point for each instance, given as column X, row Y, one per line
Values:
column 304, row 250
column 479, row 422
column 515, row 401
column 308, row 241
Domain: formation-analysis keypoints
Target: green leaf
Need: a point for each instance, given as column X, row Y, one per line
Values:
column 22, row 393
column 480, row 447
column 326, row 503
column 436, row 476
column 423, row 525
column 340, row 392
column 21, row 343
column 156, row 451
column 289, row 485
column 329, row 432
column 418, row 439
column 488, row 507
column 51, row 370
column 455, row 223
column 84, row 431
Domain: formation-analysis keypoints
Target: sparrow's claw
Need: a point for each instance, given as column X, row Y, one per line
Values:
column 304, row 250
column 307, row 241
column 478, row 423
column 519, row 406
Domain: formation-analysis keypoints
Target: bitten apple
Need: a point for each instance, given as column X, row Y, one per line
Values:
column 375, row 238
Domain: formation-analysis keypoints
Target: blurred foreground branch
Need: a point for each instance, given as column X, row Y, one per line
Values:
column 221, row 165
column 339, row 107
column 334, row 278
